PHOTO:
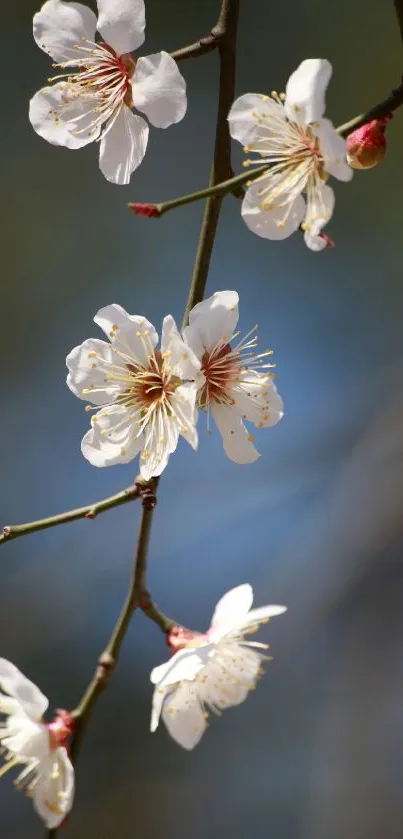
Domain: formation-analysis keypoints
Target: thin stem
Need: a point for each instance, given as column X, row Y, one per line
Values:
column 13, row 531
column 382, row 109
column 221, row 168
column 207, row 44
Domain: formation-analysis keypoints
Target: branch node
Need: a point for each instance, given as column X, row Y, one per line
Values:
column 6, row 531
column 145, row 210
column 91, row 514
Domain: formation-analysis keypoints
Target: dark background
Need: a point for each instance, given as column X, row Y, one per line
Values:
column 316, row 523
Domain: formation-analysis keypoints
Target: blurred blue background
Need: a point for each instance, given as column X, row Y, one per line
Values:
column 316, row 523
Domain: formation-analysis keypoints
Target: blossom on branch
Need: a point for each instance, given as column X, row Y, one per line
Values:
column 210, row 671
column 146, row 396
column 236, row 383
column 101, row 82
column 47, row 775
column 366, row 146
column 301, row 149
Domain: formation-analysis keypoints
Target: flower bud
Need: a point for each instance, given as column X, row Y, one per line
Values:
column 366, row 146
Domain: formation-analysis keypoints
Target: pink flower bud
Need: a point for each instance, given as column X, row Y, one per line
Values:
column 366, row 146
column 147, row 210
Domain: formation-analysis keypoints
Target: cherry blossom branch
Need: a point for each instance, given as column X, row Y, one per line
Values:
column 201, row 47
column 89, row 512
column 382, row 109
column 220, row 189
column 138, row 597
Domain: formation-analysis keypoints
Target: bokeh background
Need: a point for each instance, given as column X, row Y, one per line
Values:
column 316, row 523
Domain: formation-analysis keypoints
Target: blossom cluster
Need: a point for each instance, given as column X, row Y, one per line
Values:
column 142, row 392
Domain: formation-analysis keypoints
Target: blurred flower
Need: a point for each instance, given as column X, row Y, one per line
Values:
column 233, row 386
column 367, row 145
column 215, row 670
column 48, row 774
column 147, row 397
column 301, row 149
column 95, row 100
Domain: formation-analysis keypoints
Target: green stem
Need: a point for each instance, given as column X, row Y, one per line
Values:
column 13, row 531
column 216, row 190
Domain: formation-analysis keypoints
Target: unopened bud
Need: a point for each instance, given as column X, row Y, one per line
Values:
column 147, row 210
column 366, row 146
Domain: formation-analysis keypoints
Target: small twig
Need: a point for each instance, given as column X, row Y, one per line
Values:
column 207, row 44
column 387, row 106
column 13, row 531
column 220, row 189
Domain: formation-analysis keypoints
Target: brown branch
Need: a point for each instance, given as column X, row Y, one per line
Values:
column 221, row 169
column 13, row 531
column 207, row 44
column 382, row 109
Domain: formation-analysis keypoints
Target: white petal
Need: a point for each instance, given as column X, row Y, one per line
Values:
column 254, row 115
column 184, row 404
column 13, row 682
column 60, row 26
column 8, row 705
column 156, row 706
column 54, row 790
column 183, row 716
column 60, row 122
column 212, row 321
column 231, row 674
column 319, row 211
column 123, row 146
column 230, row 609
column 236, row 440
column 160, row 440
column 26, row 737
column 132, row 335
column 159, row 89
column 274, row 223
column 333, row 148
column 87, row 372
column 256, row 399
column 305, row 91
column 122, row 23
column 185, row 664
column 182, row 359
column 112, row 438
column 262, row 614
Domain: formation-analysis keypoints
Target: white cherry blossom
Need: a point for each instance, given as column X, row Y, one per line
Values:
column 236, row 383
column 210, row 671
column 301, row 148
column 100, row 83
column 146, row 396
column 47, row 775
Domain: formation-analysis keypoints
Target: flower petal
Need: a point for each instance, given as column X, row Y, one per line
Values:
column 305, row 91
column 54, row 790
column 262, row 614
column 122, row 23
column 183, row 716
column 257, row 400
column 230, row 609
column 182, row 359
column 132, row 336
column 236, row 440
column 112, row 437
column 59, row 27
column 254, row 115
column 13, row 682
column 276, row 222
column 212, row 321
column 185, row 664
column 183, row 403
column 159, row 89
column 333, row 148
column 319, row 211
column 123, row 146
column 61, row 122
column 87, row 371
column 25, row 737
column 160, row 440
column 231, row 674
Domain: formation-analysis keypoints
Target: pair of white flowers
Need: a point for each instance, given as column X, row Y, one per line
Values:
column 210, row 671
column 145, row 397
column 102, row 82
